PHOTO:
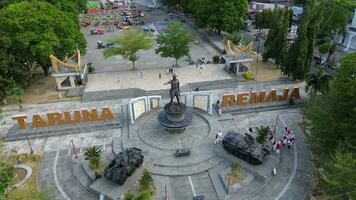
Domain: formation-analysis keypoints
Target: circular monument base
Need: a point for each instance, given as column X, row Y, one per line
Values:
column 174, row 126
column 175, row 117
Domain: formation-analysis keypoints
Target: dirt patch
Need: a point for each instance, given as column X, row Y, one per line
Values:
column 236, row 177
column 19, row 174
column 265, row 71
column 42, row 89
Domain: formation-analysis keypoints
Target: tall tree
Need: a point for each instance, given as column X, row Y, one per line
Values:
column 276, row 43
column 333, row 114
column 300, row 53
column 312, row 32
column 132, row 41
column 265, row 19
column 37, row 30
column 174, row 42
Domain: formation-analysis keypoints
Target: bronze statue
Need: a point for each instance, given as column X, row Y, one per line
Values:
column 174, row 91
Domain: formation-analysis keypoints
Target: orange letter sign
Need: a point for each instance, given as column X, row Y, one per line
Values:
column 20, row 121
column 106, row 114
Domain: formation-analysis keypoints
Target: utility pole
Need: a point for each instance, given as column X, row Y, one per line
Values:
column 75, row 153
column 165, row 192
column 275, row 125
column 29, row 144
column 258, row 53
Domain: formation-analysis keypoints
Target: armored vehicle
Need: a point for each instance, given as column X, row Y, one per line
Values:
column 244, row 147
column 124, row 164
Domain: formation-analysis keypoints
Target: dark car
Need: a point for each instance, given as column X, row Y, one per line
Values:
column 124, row 164
column 244, row 147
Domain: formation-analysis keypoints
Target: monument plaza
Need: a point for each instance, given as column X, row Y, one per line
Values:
column 167, row 123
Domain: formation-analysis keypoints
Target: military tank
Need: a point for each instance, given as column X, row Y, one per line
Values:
column 244, row 147
column 124, row 164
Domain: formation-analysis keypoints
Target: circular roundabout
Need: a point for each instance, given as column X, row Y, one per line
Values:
column 152, row 134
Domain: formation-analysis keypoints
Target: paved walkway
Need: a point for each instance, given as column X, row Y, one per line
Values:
column 150, row 78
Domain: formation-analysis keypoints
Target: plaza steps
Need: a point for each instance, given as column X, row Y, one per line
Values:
column 83, row 178
column 136, row 92
column 187, row 169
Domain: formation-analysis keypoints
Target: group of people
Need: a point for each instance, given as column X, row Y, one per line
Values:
column 170, row 71
column 287, row 139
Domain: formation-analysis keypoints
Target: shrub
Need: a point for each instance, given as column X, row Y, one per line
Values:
column 235, row 167
column 93, row 154
column 146, row 181
column 6, row 176
column 129, row 196
column 91, row 68
column 216, row 59
column 248, row 75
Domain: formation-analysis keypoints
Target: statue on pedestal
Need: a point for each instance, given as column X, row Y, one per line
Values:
column 175, row 116
column 174, row 91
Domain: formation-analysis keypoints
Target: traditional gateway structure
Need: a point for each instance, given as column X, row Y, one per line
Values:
column 68, row 73
column 236, row 55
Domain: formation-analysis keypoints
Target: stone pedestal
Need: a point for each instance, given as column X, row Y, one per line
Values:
column 175, row 117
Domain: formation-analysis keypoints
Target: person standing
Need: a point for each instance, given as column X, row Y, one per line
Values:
column 278, row 147
column 160, row 75
column 141, row 74
column 218, row 137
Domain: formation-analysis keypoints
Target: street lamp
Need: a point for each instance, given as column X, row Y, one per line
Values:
column 258, row 53
column 258, row 47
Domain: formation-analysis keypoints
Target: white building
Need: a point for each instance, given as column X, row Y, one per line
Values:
column 349, row 41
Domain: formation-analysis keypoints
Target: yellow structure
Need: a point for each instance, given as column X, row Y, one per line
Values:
column 68, row 73
column 234, row 50
column 236, row 55
column 58, row 65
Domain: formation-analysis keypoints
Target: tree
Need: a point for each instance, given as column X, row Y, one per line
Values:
column 318, row 82
column 145, row 181
column 300, row 53
column 226, row 15
column 6, row 176
column 335, row 14
column 333, row 114
column 265, row 19
column 337, row 174
column 312, row 32
column 276, row 43
column 262, row 134
column 15, row 92
column 93, row 154
column 37, row 30
column 132, row 41
column 13, row 73
column 231, row 16
column 174, row 42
